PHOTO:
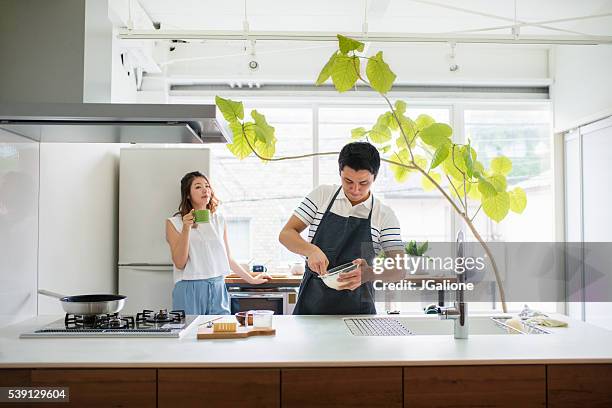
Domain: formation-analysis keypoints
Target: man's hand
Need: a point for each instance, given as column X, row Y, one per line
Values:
column 317, row 261
column 353, row 279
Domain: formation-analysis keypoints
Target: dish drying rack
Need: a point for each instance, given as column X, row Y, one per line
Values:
column 530, row 328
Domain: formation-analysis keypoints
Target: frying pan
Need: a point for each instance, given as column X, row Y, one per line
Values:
column 88, row 304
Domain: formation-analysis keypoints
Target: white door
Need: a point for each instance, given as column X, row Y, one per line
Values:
column 149, row 192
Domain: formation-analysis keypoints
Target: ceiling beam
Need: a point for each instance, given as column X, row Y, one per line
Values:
column 126, row 34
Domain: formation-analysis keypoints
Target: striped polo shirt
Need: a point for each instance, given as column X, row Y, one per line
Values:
column 385, row 227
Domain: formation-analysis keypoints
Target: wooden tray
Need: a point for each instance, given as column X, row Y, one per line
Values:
column 241, row 332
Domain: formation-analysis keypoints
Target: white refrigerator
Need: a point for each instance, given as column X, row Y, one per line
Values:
column 149, row 192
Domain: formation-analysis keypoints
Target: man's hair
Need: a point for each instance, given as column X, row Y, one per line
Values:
column 360, row 156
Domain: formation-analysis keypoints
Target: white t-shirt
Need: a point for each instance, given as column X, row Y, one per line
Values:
column 207, row 252
column 385, row 227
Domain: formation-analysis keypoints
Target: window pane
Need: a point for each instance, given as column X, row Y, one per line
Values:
column 423, row 215
column 266, row 193
column 524, row 136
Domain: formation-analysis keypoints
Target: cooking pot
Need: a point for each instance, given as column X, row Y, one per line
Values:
column 88, row 304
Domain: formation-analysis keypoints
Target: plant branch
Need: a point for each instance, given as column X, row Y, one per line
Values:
column 435, row 183
column 408, row 166
column 476, row 213
column 502, row 295
column 456, row 192
column 302, row 156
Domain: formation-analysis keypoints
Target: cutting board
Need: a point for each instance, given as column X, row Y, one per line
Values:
column 205, row 333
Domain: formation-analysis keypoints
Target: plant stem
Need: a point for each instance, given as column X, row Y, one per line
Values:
column 502, row 295
column 476, row 213
column 456, row 192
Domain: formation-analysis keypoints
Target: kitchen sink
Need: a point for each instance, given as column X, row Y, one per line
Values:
column 431, row 325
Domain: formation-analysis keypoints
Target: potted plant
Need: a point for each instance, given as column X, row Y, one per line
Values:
column 411, row 147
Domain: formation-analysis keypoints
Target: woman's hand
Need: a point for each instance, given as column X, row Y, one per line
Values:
column 189, row 220
column 259, row 279
column 317, row 261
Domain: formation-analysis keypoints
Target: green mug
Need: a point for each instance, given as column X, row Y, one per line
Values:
column 201, row 216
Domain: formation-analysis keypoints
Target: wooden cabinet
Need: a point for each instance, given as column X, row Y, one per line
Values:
column 469, row 386
column 14, row 377
column 584, row 385
column 219, row 388
column 524, row 386
column 101, row 387
column 342, row 387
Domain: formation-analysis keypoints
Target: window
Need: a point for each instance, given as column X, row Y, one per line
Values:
column 524, row 136
column 423, row 216
column 239, row 238
column 265, row 193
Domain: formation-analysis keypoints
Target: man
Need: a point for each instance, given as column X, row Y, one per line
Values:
column 347, row 224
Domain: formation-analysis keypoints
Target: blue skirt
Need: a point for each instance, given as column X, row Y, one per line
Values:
column 201, row 297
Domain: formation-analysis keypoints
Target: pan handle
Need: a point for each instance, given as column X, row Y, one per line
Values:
column 50, row 293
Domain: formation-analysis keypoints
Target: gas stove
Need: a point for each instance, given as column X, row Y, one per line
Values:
column 148, row 323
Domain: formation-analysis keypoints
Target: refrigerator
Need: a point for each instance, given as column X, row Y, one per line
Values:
column 149, row 193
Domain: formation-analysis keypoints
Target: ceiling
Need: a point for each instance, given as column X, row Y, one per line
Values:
column 204, row 41
column 402, row 16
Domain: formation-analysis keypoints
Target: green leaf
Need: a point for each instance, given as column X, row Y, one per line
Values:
column 387, row 120
column 344, row 72
column 400, row 107
column 501, row 165
column 486, row 189
column 499, row 182
column 358, row 133
column 379, row 74
column 385, row 149
column 380, row 134
column 327, row 70
column 420, row 161
column 474, row 194
column 239, row 146
column 263, row 132
column 449, row 166
column 231, row 110
column 468, row 155
column 518, row 200
column 409, row 129
column 428, row 185
column 423, row 121
column 436, row 134
column 440, row 155
column 347, row 44
column 478, row 169
column 423, row 248
column 265, row 150
column 497, row 206
column 401, row 173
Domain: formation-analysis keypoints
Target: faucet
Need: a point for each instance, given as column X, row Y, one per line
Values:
column 458, row 312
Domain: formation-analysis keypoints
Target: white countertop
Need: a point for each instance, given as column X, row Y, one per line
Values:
column 302, row 341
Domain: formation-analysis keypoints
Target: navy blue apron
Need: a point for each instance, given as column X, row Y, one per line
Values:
column 342, row 240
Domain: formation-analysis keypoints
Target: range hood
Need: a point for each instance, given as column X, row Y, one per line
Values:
column 115, row 123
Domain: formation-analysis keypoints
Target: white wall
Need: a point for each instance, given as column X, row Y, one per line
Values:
column 78, row 220
column 18, row 227
column 582, row 89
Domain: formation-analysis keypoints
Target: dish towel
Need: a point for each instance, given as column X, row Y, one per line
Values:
column 547, row 321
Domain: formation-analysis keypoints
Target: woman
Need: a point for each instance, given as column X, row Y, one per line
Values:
column 200, row 252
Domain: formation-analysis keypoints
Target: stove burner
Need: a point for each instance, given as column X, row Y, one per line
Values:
column 104, row 321
column 163, row 316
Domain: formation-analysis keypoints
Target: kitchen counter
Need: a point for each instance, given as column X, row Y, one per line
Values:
column 304, row 341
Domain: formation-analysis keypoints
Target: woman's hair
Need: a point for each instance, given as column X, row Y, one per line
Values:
column 185, row 205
